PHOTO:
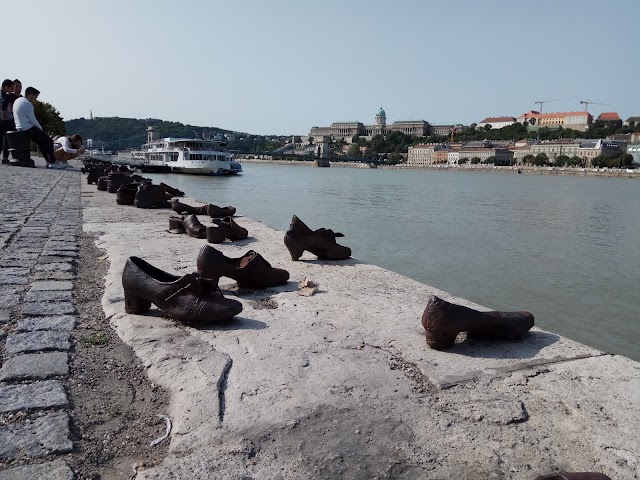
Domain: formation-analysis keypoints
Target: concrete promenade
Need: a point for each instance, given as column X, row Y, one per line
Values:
column 40, row 221
column 337, row 385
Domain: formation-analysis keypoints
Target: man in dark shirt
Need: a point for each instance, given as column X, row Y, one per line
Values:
column 6, row 123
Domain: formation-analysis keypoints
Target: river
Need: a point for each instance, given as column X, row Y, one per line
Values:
column 565, row 248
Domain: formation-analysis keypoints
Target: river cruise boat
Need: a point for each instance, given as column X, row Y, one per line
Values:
column 186, row 155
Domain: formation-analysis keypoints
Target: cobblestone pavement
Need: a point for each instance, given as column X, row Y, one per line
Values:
column 40, row 223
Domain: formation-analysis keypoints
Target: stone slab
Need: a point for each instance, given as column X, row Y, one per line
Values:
column 13, row 279
column 56, row 470
column 9, row 300
column 31, row 396
column 14, row 271
column 5, row 316
column 37, row 341
column 35, row 365
column 43, row 436
column 60, row 253
column 58, row 322
column 48, row 296
column 55, row 259
column 52, row 285
column 52, row 275
column 34, row 309
column 55, row 267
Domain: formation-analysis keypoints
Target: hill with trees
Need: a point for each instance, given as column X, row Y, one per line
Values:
column 124, row 133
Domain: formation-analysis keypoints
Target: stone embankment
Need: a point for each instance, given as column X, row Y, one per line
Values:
column 581, row 172
column 341, row 384
column 336, row 385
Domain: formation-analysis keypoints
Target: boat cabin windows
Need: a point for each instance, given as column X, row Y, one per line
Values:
column 173, row 157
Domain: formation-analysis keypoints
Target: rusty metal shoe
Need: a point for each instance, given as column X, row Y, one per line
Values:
column 174, row 192
column 101, row 183
column 250, row 270
column 178, row 206
column 232, row 230
column 215, row 234
column 443, row 321
column 150, row 196
column 574, row 476
column 193, row 227
column 321, row 242
column 176, row 225
column 189, row 299
column 218, row 212
column 116, row 180
column 126, row 194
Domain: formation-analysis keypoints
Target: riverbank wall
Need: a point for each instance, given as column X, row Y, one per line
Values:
column 341, row 384
column 582, row 172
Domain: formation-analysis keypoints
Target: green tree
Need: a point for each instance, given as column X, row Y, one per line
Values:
column 463, row 160
column 488, row 127
column 489, row 160
column 354, row 150
column 562, row 160
column 49, row 118
column 475, row 160
column 541, row 159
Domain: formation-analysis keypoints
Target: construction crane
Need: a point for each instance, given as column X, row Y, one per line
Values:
column 540, row 102
column 587, row 103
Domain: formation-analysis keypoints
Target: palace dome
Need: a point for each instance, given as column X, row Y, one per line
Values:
column 381, row 113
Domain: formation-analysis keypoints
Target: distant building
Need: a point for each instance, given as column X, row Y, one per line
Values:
column 496, row 122
column 574, row 120
column 633, row 149
column 632, row 121
column 413, row 128
column 609, row 117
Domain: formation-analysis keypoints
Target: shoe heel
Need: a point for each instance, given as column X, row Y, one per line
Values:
column 296, row 253
column 439, row 341
column 135, row 304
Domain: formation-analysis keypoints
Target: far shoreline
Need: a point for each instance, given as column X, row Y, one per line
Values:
column 578, row 172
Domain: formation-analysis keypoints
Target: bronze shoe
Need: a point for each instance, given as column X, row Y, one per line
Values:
column 176, row 225
column 178, row 206
column 250, row 270
column 189, row 299
column 443, row 321
column 218, row 212
column 232, row 230
column 574, row 476
column 193, row 227
column 101, row 183
column 174, row 192
column 126, row 194
column 321, row 242
column 150, row 196
column 215, row 234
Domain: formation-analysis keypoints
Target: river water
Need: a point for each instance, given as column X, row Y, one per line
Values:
column 565, row 248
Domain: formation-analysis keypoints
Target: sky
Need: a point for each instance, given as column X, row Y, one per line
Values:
column 280, row 67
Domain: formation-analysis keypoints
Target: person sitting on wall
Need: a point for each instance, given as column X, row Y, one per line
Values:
column 26, row 121
column 67, row 148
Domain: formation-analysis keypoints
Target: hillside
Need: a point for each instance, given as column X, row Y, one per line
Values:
column 123, row 133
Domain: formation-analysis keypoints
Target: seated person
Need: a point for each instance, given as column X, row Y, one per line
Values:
column 67, row 148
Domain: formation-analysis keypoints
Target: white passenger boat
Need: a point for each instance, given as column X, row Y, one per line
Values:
column 186, row 155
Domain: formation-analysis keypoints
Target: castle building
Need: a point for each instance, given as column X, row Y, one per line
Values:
column 348, row 130
column 574, row 120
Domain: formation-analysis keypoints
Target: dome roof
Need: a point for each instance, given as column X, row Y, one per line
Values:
column 381, row 113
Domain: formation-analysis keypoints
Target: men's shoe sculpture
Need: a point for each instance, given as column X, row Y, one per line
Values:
column 231, row 229
column 250, row 270
column 116, row 180
column 126, row 194
column 574, row 476
column 94, row 174
column 101, row 183
column 209, row 209
column 151, row 196
column 215, row 211
column 174, row 192
column 321, row 242
column 443, row 321
column 189, row 299
column 193, row 227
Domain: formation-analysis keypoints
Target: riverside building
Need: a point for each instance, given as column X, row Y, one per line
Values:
column 414, row 128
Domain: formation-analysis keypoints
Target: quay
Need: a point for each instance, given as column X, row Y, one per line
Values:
column 340, row 384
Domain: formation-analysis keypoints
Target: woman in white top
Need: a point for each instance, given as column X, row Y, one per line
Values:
column 67, row 148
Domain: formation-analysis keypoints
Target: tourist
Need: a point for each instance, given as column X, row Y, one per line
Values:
column 25, row 119
column 67, row 148
column 5, row 125
column 7, row 115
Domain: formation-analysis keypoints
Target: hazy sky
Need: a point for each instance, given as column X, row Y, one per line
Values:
column 281, row 67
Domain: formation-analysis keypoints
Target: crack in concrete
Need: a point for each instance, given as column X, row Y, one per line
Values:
column 222, row 388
